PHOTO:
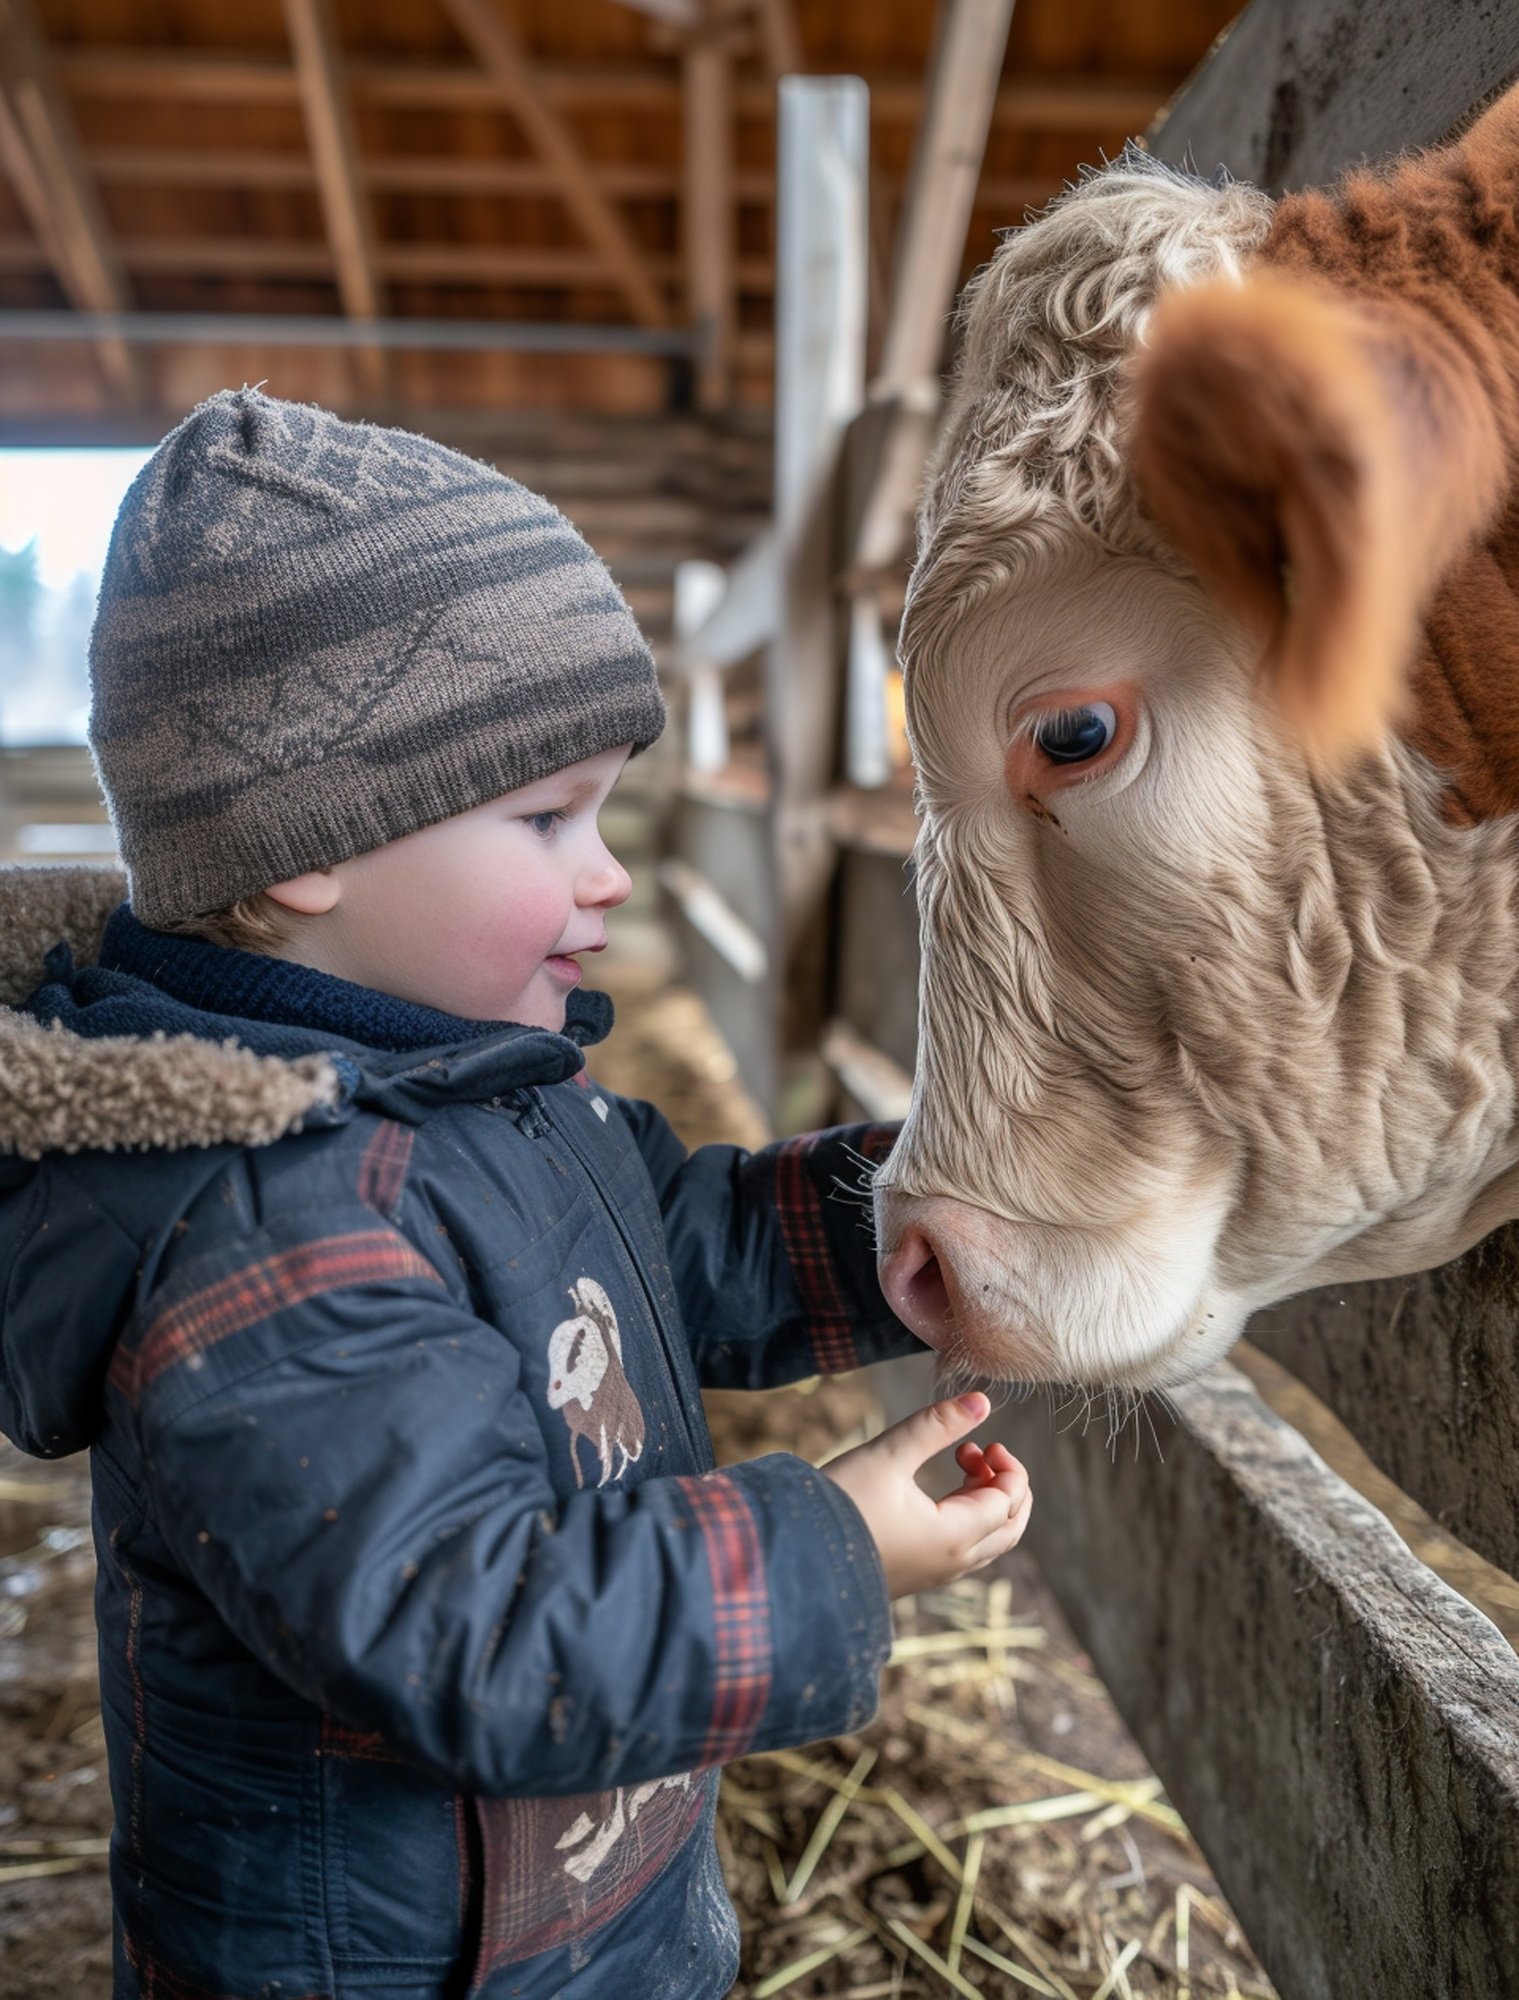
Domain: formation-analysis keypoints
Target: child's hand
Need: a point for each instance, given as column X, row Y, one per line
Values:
column 926, row 1542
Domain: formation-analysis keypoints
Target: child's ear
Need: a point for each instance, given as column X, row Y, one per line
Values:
column 310, row 895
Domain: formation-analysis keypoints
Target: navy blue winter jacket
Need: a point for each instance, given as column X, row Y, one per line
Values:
column 424, row 1618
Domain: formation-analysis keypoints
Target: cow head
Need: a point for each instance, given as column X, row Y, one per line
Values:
column 1218, row 988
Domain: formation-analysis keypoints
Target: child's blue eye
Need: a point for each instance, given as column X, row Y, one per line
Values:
column 544, row 823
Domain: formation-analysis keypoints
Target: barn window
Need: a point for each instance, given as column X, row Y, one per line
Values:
column 56, row 511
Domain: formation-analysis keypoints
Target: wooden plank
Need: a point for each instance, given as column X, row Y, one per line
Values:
column 708, row 911
column 496, row 43
column 1338, row 1728
column 1297, row 89
column 723, row 836
column 40, row 149
column 897, row 432
column 1003, row 195
column 673, row 13
column 442, row 263
column 780, row 38
column 335, row 154
column 707, row 210
column 822, row 263
column 1424, row 1371
column 1074, row 104
column 881, row 1087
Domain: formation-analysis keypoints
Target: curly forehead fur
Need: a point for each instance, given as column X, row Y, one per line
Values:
column 1030, row 456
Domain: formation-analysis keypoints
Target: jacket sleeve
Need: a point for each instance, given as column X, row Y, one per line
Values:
column 774, row 1251
column 344, row 1460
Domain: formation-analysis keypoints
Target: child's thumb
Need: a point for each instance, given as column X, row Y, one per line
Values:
column 927, row 1431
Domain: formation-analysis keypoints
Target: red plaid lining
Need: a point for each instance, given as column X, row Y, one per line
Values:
column 158, row 1982
column 367, row 1745
column 806, row 1241
column 740, row 1615
column 184, row 1332
column 382, row 1170
column 534, row 1898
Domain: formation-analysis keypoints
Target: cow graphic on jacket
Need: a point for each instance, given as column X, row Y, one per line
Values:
column 587, row 1382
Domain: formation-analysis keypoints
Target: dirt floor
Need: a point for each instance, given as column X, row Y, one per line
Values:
column 994, row 1831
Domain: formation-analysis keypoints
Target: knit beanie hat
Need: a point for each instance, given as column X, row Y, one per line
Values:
column 315, row 636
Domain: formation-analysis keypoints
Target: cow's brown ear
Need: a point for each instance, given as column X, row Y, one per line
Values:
column 1320, row 462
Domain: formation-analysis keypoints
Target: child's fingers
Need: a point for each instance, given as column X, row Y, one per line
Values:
column 973, row 1512
column 1003, row 1538
column 999, row 1458
column 919, row 1437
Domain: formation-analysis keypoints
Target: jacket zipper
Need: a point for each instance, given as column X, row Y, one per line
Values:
column 542, row 1126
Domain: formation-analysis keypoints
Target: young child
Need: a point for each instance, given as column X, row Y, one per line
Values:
column 424, row 1619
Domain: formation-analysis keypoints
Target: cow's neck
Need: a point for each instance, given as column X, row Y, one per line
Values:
column 1465, row 713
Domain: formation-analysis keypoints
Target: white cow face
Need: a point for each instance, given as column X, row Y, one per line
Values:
column 1189, row 1014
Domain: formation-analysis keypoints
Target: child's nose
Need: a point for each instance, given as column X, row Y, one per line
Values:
column 608, row 883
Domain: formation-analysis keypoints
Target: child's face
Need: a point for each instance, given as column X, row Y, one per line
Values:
column 480, row 915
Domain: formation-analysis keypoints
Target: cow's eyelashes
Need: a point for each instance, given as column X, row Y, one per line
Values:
column 1076, row 735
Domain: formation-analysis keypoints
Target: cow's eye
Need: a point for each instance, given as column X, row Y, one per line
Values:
column 1076, row 735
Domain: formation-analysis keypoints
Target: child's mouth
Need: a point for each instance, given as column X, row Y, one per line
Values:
column 564, row 968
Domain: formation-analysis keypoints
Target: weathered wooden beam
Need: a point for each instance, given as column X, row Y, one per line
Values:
column 822, row 262
column 41, row 153
column 420, row 263
column 970, row 43
column 1094, row 106
column 780, row 38
column 345, row 206
column 733, row 937
column 1424, row 1371
column 500, row 51
column 1338, row 1729
column 745, row 617
column 961, row 92
column 673, row 13
column 1003, row 195
column 707, row 207
column 881, row 1087
column 1296, row 88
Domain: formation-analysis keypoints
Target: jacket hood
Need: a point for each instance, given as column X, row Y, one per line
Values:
column 99, row 1059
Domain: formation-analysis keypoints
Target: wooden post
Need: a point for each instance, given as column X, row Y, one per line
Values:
column 821, row 281
column 892, row 446
column 699, row 589
column 707, row 211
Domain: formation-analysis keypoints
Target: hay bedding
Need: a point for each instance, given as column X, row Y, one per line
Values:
column 994, row 1831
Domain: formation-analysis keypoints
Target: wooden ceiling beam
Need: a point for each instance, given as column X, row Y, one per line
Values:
column 673, row 13
column 335, row 156
column 41, row 152
column 458, row 174
column 496, row 44
column 1057, row 104
column 414, row 263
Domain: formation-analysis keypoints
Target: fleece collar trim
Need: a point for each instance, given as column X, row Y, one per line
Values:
column 102, row 1059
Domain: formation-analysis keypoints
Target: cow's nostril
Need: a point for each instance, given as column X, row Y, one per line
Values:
column 914, row 1285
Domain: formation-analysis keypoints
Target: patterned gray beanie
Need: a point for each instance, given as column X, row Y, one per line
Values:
column 316, row 636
